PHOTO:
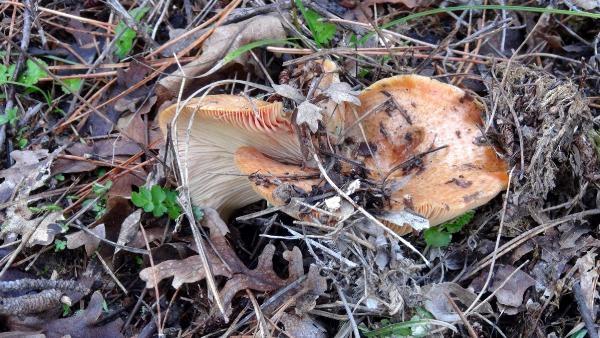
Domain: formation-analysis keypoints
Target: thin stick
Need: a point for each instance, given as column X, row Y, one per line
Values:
column 585, row 312
column 364, row 212
column 513, row 243
column 462, row 316
column 489, row 276
column 157, row 293
column 111, row 274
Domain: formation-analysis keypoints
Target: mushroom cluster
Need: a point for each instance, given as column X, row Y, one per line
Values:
column 423, row 139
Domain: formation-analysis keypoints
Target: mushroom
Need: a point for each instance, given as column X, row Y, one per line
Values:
column 208, row 131
column 424, row 150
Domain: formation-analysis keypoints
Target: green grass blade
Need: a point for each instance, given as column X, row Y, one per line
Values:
column 246, row 48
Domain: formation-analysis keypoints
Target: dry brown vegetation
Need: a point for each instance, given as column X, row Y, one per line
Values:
column 120, row 220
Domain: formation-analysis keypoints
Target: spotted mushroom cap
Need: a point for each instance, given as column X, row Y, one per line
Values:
column 417, row 114
column 208, row 131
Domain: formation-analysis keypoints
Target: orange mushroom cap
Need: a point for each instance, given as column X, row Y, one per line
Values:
column 423, row 114
column 208, row 131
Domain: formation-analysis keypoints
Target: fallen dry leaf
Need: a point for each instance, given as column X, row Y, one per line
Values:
column 310, row 114
column 439, row 306
column 44, row 227
column 511, row 294
column 587, row 4
column 340, row 92
column 28, row 172
column 85, row 323
column 137, row 71
column 129, row 228
column 289, row 92
column 302, row 326
column 223, row 40
column 82, row 238
column 239, row 277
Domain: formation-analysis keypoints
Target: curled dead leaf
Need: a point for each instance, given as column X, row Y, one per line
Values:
column 224, row 40
column 82, row 238
column 437, row 303
column 224, row 262
column 310, row 114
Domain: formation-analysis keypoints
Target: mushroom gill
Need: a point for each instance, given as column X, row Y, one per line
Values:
column 208, row 131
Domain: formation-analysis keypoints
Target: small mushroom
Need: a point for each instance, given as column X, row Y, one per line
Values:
column 427, row 152
column 208, row 131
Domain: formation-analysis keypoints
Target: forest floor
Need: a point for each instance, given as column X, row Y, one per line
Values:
column 101, row 239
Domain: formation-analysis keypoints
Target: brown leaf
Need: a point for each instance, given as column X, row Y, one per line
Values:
column 188, row 270
column 511, row 294
column 129, row 228
column 151, row 234
column 82, row 238
column 223, row 40
column 84, row 324
column 301, row 326
column 437, row 303
column 28, row 172
column 45, row 227
column 263, row 278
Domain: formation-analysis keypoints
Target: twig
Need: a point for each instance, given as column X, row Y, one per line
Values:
column 111, row 274
column 515, row 242
column 347, row 308
column 472, row 332
column 585, row 312
column 364, row 212
column 156, row 291
column 494, row 253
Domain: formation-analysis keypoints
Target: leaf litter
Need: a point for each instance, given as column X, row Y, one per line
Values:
column 328, row 270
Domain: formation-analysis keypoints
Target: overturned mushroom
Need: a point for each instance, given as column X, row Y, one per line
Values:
column 207, row 133
column 425, row 152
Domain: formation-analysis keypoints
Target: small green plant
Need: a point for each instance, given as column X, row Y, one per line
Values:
column 417, row 326
column 440, row 236
column 66, row 310
column 71, row 85
column 22, row 140
column 10, row 116
column 100, row 189
column 59, row 245
column 157, row 200
column 323, row 32
column 98, row 207
column 31, row 75
column 124, row 43
column 198, row 212
column 47, row 207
